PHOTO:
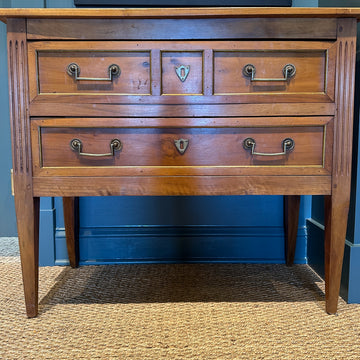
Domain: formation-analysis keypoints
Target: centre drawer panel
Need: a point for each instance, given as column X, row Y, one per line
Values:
column 165, row 149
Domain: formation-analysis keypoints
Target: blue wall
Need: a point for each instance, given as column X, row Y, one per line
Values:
column 237, row 228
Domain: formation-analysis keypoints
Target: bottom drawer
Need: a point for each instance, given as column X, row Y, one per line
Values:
column 263, row 146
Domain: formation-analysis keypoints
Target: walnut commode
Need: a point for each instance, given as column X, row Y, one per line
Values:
column 198, row 101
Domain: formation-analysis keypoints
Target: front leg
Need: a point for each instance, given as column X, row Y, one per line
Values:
column 26, row 205
column 336, row 214
column 27, row 215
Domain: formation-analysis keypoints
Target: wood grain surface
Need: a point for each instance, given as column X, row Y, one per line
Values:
column 277, row 12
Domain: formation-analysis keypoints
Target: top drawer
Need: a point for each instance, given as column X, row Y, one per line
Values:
column 176, row 72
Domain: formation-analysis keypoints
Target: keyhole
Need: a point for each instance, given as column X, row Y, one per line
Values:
column 181, row 145
column 182, row 72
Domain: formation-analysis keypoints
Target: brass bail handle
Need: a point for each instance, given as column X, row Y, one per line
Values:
column 73, row 70
column 115, row 145
column 289, row 71
column 288, row 145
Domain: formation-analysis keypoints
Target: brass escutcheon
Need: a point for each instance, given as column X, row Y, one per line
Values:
column 181, row 145
column 182, row 71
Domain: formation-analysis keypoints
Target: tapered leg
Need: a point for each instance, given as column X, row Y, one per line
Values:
column 71, row 220
column 336, row 214
column 337, row 204
column 27, row 214
column 291, row 220
column 26, row 206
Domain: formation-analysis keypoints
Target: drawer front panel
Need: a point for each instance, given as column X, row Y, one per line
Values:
column 92, row 70
column 309, row 74
column 172, row 150
column 182, row 72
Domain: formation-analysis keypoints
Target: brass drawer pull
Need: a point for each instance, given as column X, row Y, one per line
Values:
column 288, row 144
column 115, row 145
column 73, row 70
column 288, row 70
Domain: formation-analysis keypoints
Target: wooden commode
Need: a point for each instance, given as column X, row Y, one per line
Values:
column 190, row 101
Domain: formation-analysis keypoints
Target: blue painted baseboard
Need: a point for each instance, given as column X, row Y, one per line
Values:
column 47, row 232
column 354, row 274
column 135, row 244
column 351, row 268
